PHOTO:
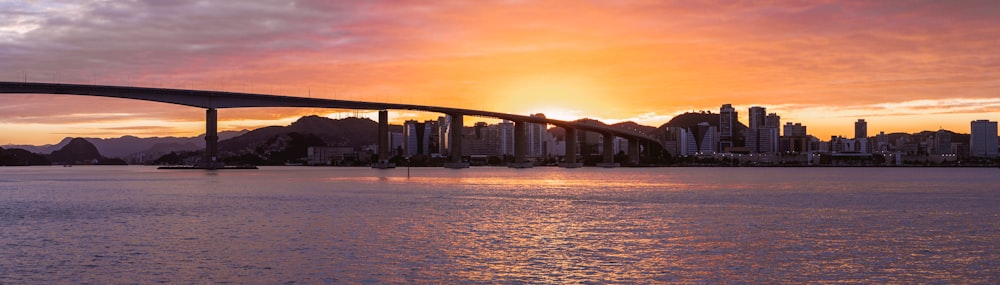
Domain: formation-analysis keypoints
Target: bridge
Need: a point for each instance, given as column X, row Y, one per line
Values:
column 213, row 100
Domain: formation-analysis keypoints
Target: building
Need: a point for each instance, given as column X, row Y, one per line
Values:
column 505, row 131
column 481, row 140
column 764, row 132
column 396, row 143
column 326, row 155
column 444, row 134
column 983, row 141
column 536, row 136
column 840, row 144
column 772, row 121
column 942, row 142
column 794, row 130
column 795, row 139
column 421, row 138
column 728, row 120
column 757, row 117
column 882, row 142
column 700, row 140
column 861, row 129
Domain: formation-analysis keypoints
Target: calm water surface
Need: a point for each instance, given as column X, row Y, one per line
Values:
column 495, row 225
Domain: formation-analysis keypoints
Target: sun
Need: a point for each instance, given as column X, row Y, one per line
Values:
column 558, row 96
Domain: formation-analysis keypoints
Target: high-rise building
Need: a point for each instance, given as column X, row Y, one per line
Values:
column 861, row 129
column 983, row 141
column 506, row 133
column 762, row 137
column 794, row 130
column 728, row 120
column 794, row 139
column 536, row 137
column 942, row 142
column 757, row 117
column 444, row 133
column 772, row 121
column 420, row 137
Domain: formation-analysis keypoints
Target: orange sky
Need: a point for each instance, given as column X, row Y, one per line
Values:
column 903, row 66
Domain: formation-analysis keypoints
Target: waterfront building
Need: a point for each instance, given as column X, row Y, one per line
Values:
column 481, row 140
column 444, row 134
column 396, row 143
column 882, row 142
column 861, row 129
column 536, row 136
column 505, row 132
column 421, row 137
column 757, row 117
column 327, row 155
column 839, row 144
column 983, row 141
column 764, row 132
column 728, row 120
column 795, row 139
column 942, row 142
column 702, row 139
column 794, row 130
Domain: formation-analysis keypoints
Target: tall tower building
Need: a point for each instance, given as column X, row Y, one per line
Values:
column 757, row 116
column 762, row 137
column 861, row 129
column 983, row 141
column 728, row 120
column 536, row 137
column 772, row 121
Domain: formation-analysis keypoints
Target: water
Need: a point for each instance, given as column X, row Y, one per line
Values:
column 135, row 224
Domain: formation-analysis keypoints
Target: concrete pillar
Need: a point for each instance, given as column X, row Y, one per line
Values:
column 455, row 142
column 383, row 135
column 608, row 152
column 633, row 151
column 211, row 138
column 520, row 145
column 569, row 161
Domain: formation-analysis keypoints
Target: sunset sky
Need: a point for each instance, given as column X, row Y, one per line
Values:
column 901, row 65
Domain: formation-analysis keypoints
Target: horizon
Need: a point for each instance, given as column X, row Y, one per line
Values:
column 904, row 67
column 373, row 119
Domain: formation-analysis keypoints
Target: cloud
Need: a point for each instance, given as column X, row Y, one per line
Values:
column 633, row 60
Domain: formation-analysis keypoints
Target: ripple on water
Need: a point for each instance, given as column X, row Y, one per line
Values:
column 332, row 225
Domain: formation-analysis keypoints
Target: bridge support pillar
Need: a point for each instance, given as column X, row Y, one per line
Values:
column 211, row 140
column 383, row 141
column 633, row 151
column 455, row 142
column 569, row 161
column 608, row 152
column 520, row 146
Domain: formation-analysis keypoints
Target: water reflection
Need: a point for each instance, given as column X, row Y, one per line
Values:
column 634, row 226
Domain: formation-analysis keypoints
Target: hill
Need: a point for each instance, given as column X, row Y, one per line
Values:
column 21, row 157
column 81, row 151
column 350, row 132
column 129, row 146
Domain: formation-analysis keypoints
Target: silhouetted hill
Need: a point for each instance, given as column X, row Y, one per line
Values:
column 77, row 151
column 636, row 127
column 926, row 135
column 352, row 132
column 691, row 121
column 127, row 146
column 21, row 157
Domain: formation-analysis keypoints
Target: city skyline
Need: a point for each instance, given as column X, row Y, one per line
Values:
column 905, row 67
